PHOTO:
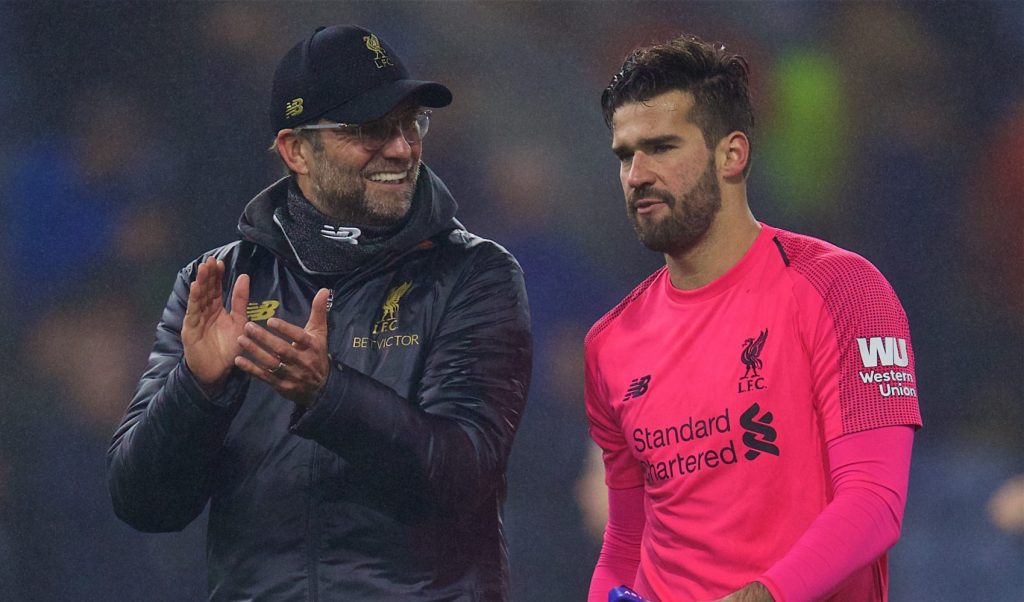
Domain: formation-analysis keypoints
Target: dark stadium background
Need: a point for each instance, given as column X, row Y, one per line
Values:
column 135, row 132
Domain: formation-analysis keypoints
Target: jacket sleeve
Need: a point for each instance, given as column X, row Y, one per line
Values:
column 161, row 456
column 452, row 442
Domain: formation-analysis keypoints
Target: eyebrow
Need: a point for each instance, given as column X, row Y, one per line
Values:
column 622, row 149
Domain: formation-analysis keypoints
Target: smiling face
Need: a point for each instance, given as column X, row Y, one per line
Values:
column 357, row 186
column 667, row 172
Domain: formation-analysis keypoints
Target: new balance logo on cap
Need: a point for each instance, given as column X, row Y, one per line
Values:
column 637, row 387
column 293, row 108
column 341, row 234
column 889, row 351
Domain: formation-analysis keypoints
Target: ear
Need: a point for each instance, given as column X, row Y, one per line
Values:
column 732, row 155
column 293, row 151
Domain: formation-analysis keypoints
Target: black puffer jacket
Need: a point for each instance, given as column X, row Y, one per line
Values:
column 391, row 486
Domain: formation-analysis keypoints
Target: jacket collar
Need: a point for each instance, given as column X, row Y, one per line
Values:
column 257, row 221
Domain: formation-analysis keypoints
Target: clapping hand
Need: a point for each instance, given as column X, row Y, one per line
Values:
column 209, row 333
column 290, row 359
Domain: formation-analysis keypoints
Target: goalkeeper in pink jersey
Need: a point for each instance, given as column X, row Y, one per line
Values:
column 755, row 399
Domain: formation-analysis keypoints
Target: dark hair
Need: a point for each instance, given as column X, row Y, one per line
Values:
column 717, row 79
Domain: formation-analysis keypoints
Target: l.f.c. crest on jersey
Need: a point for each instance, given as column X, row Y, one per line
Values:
column 751, row 358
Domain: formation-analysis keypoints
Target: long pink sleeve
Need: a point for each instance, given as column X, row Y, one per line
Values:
column 620, row 551
column 869, row 475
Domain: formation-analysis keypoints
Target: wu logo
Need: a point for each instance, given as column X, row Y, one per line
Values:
column 293, row 108
column 380, row 58
column 637, row 387
column 389, row 311
column 258, row 312
column 341, row 234
column 888, row 351
column 758, row 426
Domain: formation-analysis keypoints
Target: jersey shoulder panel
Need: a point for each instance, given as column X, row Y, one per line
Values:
column 849, row 285
column 606, row 320
column 870, row 331
column 822, row 263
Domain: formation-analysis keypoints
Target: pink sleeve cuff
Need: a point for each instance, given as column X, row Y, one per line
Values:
column 772, row 588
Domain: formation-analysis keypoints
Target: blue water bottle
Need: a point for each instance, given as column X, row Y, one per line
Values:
column 624, row 594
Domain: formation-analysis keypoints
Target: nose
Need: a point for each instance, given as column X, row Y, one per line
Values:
column 639, row 173
column 397, row 147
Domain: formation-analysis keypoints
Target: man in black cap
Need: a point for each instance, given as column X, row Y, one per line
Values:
column 343, row 383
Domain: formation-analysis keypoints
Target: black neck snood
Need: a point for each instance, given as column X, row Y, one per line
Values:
column 325, row 247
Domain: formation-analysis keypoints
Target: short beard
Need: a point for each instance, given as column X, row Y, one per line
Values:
column 341, row 194
column 689, row 219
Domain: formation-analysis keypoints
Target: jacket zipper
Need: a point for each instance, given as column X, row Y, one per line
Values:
column 313, row 528
column 313, row 523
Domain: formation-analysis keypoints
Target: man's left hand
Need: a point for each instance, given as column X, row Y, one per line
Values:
column 752, row 592
column 290, row 359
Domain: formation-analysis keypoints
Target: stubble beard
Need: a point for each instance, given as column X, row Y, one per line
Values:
column 341, row 194
column 690, row 216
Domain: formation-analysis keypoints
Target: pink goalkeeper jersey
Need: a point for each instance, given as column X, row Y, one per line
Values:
column 720, row 401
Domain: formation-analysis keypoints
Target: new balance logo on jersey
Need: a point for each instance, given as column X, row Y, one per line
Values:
column 888, row 351
column 637, row 387
column 758, row 426
column 341, row 234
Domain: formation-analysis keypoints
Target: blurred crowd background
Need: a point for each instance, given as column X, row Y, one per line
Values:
column 136, row 132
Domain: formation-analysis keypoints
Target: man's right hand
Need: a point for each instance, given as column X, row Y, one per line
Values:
column 210, row 333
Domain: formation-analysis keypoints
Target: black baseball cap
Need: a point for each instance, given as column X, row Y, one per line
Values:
column 347, row 74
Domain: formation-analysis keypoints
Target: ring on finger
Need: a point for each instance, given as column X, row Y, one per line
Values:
column 276, row 369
